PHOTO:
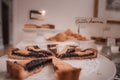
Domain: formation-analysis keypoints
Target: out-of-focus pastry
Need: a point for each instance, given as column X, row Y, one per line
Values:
column 58, row 37
column 61, row 37
column 30, row 26
column 49, row 26
column 68, row 32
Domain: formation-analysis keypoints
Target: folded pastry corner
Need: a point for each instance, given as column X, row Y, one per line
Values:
column 65, row 71
column 22, row 69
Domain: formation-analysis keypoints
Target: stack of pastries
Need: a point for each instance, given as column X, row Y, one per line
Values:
column 67, row 34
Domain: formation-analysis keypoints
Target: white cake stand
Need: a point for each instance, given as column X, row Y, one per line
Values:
column 96, row 69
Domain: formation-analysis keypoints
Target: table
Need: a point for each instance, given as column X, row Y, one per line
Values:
column 105, row 71
column 115, row 57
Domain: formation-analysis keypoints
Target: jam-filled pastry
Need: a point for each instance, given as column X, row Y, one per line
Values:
column 25, row 68
column 33, row 48
column 65, row 71
column 67, row 48
column 25, row 54
column 53, row 48
column 74, row 53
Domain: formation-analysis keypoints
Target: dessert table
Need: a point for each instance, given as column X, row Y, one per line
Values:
column 95, row 69
column 100, row 68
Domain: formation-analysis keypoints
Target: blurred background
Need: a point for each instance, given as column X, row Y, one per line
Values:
column 15, row 13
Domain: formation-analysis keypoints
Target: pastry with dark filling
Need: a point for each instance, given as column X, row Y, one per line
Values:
column 33, row 48
column 28, row 54
column 53, row 48
column 74, row 53
column 22, row 69
column 65, row 71
column 67, row 49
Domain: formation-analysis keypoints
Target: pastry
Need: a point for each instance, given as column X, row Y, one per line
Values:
column 58, row 37
column 66, row 48
column 49, row 26
column 68, row 32
column 65, row 71
column 75, row 53
column 53, row 48
column 25, row 54
column 22, row 69
column 33, row 48
column 30, row 26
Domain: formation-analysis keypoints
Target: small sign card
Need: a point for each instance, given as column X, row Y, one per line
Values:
column 89, row 21
column 90, row 26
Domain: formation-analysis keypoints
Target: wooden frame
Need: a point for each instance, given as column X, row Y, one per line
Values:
column 96, row 7
column 36, row 15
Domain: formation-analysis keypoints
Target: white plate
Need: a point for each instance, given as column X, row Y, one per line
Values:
column 86, row 44
column 38, row 30
column 105, row 70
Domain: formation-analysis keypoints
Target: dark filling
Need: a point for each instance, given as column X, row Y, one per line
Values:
column 41, row 53
column 51, row 26
column 55, row 68
column 32, row 50
column 36, row 63
column 34, row 54
column 85, row 55
column 45, row 53
column 70, row 50
column 19, row 54
column 36, row 47
column 53, row 50
column 75, row 55
column 53, row 45
column 68, row 55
